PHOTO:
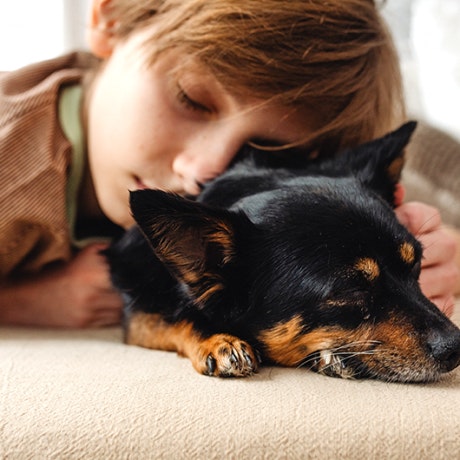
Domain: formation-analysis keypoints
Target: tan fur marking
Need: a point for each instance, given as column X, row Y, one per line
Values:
column 401, row 354
column 151, row 331
column 368, row 267
column 224, row 238
column 395, row 168
column 287, row 345
column 191, row 277
column 337, row 303
column 397, row 333
column 407, row 253
column 203, row 297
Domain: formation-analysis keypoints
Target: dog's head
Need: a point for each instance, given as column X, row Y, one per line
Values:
column 314, row 272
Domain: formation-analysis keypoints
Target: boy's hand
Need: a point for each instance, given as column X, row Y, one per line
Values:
column 85, row 283
column 440, row 276
column 76, row 295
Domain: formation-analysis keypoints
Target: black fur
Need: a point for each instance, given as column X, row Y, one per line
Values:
column 298, row 266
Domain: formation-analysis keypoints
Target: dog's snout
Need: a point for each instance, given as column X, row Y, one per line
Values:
column 445, row 348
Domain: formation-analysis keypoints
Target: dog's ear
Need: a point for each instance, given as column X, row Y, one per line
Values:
column 379, row 163
column 195, row 242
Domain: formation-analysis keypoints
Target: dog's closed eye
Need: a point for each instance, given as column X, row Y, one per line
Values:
column 355, row 297
column 356, row 300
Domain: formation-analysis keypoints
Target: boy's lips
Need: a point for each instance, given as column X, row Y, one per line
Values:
column 140, row 184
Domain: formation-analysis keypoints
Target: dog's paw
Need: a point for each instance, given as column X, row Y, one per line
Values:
column 223, row 355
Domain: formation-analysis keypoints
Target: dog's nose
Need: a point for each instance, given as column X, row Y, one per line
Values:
column 445, row 348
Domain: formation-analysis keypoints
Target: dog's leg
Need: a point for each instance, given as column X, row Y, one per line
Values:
column 221, row 355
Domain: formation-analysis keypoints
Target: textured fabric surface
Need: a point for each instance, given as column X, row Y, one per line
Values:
column 85, row 395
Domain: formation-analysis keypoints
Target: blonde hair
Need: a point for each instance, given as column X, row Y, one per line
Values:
column 335, row 59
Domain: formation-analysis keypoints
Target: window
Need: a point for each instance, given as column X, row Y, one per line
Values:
column 32, row 30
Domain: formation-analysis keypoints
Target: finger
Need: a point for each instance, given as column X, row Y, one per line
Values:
column 91, row 262
column 438, row 247
column 108, row 301
column 399, row 194
column 96, row 247
column 418, row 218
column 439, row 280
column 105, row 321
column 445, row 304
column 106, row 316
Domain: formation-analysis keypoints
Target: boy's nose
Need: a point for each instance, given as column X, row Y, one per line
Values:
column 202, row 163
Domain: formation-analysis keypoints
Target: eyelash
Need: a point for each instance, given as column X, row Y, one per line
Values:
column 189, row 103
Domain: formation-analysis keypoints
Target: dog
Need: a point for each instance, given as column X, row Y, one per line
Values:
column 299, row 266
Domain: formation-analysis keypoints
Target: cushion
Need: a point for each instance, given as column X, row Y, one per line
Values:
column 86, row 395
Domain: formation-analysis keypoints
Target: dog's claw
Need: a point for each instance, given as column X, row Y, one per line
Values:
column 210, row 365
column 226, row 356
column 247, row 359
column 233, row 358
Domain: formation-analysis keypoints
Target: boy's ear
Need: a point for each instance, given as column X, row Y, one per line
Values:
column 379, row 163
column 101, row 37
column 195, row 242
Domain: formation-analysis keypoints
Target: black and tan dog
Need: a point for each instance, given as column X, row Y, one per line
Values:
column 294, row 267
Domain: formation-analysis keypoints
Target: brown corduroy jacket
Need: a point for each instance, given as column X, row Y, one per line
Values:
column 34, row 162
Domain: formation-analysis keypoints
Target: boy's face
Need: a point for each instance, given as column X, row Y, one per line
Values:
column 149, row 126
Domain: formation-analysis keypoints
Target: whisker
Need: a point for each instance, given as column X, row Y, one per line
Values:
column 342, row 355
column 332, row 358
column 309, row 359
column 357, row 343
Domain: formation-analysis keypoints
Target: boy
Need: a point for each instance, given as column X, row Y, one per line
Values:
column 182, row 86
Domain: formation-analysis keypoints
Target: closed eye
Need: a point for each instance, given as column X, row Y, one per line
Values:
column 349, row 309
column 189, row 103
column 352, row 298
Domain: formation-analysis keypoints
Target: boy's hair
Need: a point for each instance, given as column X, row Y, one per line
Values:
column 334, row 58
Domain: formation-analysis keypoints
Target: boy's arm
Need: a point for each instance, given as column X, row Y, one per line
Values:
column 75, row 295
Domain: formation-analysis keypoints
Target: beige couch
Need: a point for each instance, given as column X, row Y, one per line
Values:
column 85, row 395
